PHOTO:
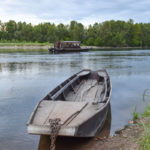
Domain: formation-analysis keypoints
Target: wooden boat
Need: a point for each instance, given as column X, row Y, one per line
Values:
column 67, row 47
column 81, row 102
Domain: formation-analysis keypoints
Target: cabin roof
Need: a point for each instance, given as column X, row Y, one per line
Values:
column 70, row 41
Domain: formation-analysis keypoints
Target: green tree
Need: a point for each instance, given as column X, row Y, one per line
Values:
column 11, row 29
column 62, row 31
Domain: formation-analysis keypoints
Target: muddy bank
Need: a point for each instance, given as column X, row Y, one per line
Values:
column 127, row 138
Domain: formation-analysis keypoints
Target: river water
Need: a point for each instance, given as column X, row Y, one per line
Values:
column 27, row 77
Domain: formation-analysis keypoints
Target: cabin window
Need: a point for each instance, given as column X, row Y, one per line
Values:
column 66, row 44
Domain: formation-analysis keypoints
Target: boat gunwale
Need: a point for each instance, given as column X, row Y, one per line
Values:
column 57, row 88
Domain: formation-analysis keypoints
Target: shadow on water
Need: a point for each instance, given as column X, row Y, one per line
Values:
column 67, row 143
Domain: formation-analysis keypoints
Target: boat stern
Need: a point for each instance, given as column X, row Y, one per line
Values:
column 45, row 130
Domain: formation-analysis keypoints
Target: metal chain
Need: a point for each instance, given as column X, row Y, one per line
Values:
column 54, row 127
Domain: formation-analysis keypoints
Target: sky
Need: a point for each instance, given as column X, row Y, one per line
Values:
column 84, row 11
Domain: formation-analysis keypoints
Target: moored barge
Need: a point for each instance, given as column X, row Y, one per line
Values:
column 67, row 47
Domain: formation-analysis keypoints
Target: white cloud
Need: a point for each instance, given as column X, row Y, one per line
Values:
column 87, row 12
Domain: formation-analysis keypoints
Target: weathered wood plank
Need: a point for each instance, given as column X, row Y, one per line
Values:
column 40, row 114
column 98, row 97
column 55, row 109
column 88, row 112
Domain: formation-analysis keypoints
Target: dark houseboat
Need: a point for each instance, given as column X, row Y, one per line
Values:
column 67, row 46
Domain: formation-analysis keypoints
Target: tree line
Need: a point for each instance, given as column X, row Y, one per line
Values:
column 109, row 33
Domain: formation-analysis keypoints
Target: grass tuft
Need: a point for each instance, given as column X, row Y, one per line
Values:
column 135, row 114
column 145, row 139
column 146, row 112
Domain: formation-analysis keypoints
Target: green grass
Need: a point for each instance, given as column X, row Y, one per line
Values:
column 146, row 113
column 22, row 50
column 20, row 44
column 25, row 44
column 135, row 115
column 145, row 139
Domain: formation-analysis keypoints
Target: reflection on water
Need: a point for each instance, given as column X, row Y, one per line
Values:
column 72, row 143
column 27, row 77
column 117, row 62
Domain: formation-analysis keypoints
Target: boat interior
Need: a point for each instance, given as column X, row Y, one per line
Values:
column 85, row 86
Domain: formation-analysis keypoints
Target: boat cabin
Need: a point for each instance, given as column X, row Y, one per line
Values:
column 67, row 44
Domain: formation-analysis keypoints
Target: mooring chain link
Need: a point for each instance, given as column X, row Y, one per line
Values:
column 54, row 127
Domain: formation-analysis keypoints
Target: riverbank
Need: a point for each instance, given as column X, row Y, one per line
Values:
column 45, row 46
column 135, row 136
column 129, row 138
column 24, row 46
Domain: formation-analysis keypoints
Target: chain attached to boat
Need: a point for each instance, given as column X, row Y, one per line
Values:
column 54, row 127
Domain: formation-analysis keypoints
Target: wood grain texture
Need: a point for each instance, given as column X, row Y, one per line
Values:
column 55, row 109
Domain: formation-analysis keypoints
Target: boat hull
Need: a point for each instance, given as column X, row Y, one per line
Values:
column 73, row 50
column 93, row 125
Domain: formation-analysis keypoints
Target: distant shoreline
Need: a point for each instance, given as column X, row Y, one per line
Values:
column 45, row 47
column 113, row 48
column 25, row 47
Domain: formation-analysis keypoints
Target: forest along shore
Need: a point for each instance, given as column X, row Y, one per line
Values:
column 112, row 33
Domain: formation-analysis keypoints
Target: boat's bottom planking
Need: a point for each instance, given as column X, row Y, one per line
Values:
column 87, row 90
